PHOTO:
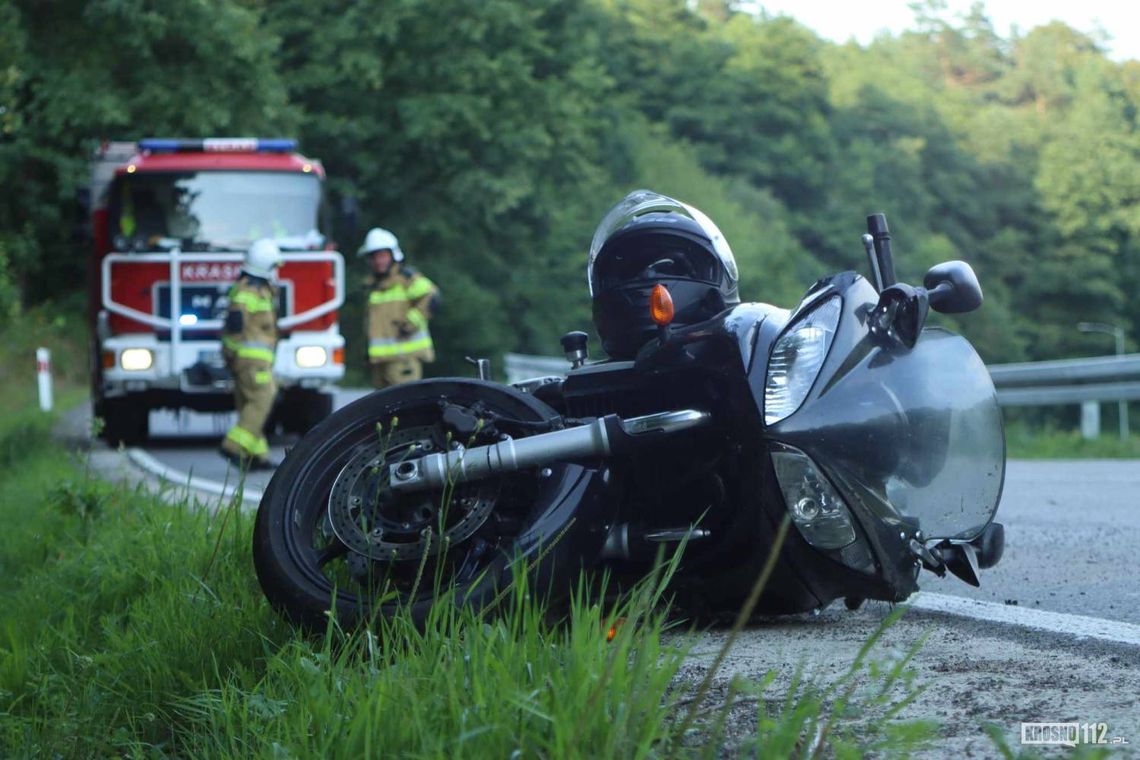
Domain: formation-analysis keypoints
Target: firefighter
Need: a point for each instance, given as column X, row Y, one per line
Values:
column 400, row 302
column 249, row 339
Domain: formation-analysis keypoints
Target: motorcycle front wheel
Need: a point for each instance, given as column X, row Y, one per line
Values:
column 331, row 539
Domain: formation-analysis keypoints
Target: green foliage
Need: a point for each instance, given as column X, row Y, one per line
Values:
column 1026, row 441
column 59, row 327
column 773, row 265
column 492, row 136
column 9, row 295
column 114, row 69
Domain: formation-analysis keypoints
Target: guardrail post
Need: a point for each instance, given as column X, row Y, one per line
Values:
column 43, row 377
column 1090, row 420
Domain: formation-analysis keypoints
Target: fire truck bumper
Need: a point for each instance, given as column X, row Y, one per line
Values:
column 142, row 365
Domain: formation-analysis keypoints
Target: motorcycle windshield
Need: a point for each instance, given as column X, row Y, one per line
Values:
column 922, row 429
column 641, row 202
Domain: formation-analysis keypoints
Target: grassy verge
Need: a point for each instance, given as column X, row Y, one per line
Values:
column 62, row 331
column 1024, row 442
column 130, row 627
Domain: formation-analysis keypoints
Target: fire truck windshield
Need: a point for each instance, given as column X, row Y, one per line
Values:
column 214, row 210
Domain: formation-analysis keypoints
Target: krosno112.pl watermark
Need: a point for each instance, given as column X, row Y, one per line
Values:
column 1068, row 734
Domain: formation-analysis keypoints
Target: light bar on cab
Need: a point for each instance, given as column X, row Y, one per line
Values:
column 218, row 145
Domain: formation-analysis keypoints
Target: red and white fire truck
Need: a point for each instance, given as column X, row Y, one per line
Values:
column 171, row 220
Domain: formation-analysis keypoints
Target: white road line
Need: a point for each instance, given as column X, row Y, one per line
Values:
column 179, row 478
column 1024, row 617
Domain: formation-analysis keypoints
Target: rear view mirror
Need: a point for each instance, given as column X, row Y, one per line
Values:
column 953, row 287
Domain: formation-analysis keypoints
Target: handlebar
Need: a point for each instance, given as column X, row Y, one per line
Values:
column 881, row 238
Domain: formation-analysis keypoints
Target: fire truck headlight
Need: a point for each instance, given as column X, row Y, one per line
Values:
column 308, row 357
column 136, row 359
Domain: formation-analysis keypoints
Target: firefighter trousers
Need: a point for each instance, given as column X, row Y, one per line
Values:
column 254, row 393
column 396, row 371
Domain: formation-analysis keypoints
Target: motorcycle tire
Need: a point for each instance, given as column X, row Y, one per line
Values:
column 305, row 572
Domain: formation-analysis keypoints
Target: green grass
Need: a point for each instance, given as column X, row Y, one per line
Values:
column 63, row 331
column 1025, row 442
column 133, row 627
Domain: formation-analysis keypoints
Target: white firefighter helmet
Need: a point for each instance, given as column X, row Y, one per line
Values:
column 262, row 259
column 379, row 239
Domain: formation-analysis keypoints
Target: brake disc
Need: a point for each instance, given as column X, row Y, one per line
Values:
column 376, row 523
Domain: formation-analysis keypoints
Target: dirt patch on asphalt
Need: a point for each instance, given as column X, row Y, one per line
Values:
column 972, row 674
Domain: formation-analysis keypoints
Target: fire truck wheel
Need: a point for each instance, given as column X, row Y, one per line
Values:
column 125, row 421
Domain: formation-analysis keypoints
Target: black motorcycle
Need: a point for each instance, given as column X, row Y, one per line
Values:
column 880, row 437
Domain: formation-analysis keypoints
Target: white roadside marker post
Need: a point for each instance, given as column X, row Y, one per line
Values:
column 43, row 375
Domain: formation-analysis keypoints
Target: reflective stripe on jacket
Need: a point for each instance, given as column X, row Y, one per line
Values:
column 256, row 301
column 396, row 320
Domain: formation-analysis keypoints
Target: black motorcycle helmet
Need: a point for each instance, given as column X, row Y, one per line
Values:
column 650, row 239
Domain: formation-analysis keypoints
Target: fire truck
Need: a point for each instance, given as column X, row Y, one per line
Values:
column 171, row 220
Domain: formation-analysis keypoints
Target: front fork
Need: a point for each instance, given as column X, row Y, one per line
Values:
column 605, row 436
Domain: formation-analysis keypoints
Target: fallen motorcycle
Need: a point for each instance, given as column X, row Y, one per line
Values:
column 710, row 422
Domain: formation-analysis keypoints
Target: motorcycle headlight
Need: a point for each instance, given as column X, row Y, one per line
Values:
column 797, row 358
column 817, row 510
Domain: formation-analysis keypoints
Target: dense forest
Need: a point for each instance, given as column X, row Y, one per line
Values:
column 491, row 135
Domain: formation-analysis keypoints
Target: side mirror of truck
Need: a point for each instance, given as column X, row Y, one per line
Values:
column 953, row 287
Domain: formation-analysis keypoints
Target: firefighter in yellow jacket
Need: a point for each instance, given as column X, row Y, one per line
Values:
column 249, row 340
column 400, row 302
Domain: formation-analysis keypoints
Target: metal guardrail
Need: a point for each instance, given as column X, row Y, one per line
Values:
column 1103, row 368
column 521, row 367
column 1068, row 381
column 1064, row 381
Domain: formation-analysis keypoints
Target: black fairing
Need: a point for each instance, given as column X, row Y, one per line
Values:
column 911, row 438
column 878, row 415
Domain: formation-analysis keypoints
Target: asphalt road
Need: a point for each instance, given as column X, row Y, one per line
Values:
column 1072, row 540
column 188, row 443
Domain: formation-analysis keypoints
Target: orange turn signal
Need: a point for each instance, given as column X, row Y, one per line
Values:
column 108, row 360
column 338, row 356
column 661, row 305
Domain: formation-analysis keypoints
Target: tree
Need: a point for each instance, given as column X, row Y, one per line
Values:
column 119, row 69
column 472, row 130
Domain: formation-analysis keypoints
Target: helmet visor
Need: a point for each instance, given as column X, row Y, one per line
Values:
column 653, row 257
column 641, row 202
